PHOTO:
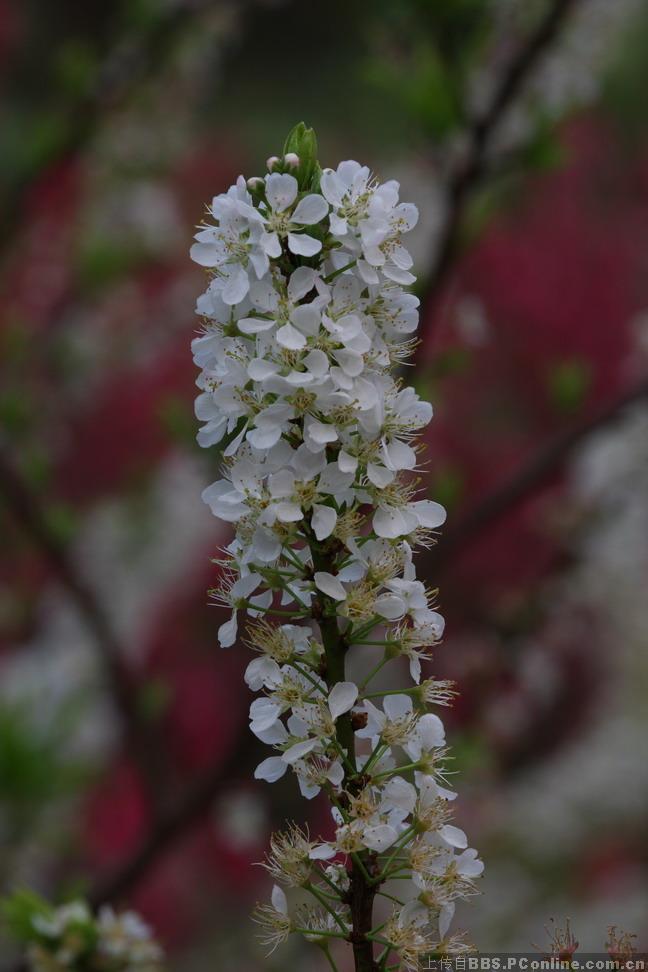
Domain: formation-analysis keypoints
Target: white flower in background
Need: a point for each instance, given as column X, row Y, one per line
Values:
column 305, row 316
column 70, row 937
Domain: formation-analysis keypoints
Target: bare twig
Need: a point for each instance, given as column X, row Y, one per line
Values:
column 192, row 804
column 26, row 508
column 196, row 800
column 132, row 60
column 475, row 164
column 172, row 825
column 529, row 478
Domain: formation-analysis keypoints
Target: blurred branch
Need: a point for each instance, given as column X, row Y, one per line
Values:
column 528, row 479
column 132, row 60
column 25, row 506
column 171, row 826
column 193, row 803
column 480, row 134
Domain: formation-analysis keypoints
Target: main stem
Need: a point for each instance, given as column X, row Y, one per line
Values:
column 361, row 894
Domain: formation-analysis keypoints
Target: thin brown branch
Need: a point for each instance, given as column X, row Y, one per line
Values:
column 192, row 804
column 172, row 825
column 132, row 60
column 480, row 134
column 26, row 508
column 528, row 479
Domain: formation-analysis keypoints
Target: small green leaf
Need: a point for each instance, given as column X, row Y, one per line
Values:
column 568, row 383
column 18, row 913
column 303, row 142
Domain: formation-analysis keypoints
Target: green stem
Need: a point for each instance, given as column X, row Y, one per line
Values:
column 398, row 770
column 336, row 273
column 372, row 674
column 324, row 903
column 330, row 958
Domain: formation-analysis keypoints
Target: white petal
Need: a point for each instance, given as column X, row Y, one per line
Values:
column 254, row 325
column 301, row 282
column 342, row 697
column 453, row 836
column 389, row 522
column 281, row 190
column 399, row 793
column 227, row 632
column 271, row 769
column 329, row 585
column 430, row 730
column 262, row 672
column 289, row 512
column 445, row 918
column 378, row 475
column 428, row 513
column 311, row 209
column 307, row 318
column 398, row 455
column 299, row 750
column 317, row 363
column 332, row 187
column 264, row 438
column 379, row 838
column 303, row 245
column 390, row 606
column 397, row 707
column 338, row 224
column 236, row 287
column 289, row 337
column 322, row 852
column 206, row 254
column 259, row 369
column 346, row 462
column 271, row 244
column 279, row 900
column 323, row 521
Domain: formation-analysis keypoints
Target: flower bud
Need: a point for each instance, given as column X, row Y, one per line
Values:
column 291, row 159
column 255, row 184
column 273, row 162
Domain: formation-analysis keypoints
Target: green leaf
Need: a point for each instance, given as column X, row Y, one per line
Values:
column 19, row 910
column 303, row 142
column 568, row 383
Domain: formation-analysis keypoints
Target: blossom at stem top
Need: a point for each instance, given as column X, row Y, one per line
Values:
column 306, row 317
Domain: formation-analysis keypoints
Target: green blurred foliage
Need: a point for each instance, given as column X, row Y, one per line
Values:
column 627, row 76
column 568, row 383
column 422, row 55
column 34, row 767
column 20, row 909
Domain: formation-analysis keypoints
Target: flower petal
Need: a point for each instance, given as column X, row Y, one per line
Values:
column 329, row 585
column 311, row 209
column 281, row 190
column 271, row 769
column 428, row 513
column 342, row 697
column 303, row 245
column 289, row 337
column 323, row 521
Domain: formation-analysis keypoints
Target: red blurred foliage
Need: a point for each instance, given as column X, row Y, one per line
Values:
column 559, row 278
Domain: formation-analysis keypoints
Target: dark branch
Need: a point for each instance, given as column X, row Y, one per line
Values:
column 475, row 164
column 131, row 61
column 531, row 477
column 193, row 803
column 27, row 510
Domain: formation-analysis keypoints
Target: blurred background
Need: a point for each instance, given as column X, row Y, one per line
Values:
column 519, row 127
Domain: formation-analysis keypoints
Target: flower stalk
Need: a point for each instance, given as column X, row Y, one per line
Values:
column 306, row 317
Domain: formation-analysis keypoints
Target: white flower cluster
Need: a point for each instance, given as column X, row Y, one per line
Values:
column 70, row 937
column 305, row 317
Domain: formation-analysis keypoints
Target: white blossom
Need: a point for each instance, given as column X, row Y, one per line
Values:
column 305, row 316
